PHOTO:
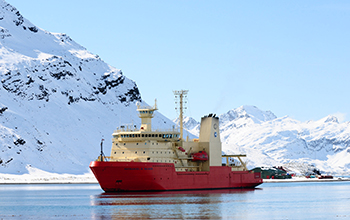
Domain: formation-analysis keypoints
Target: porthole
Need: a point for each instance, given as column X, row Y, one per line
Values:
column 144, row 152
column 135, row 152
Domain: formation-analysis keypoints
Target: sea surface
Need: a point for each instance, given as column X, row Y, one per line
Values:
column 306, row 200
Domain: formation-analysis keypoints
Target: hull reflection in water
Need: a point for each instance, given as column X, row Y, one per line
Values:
column 196, row 204
column 152, row 198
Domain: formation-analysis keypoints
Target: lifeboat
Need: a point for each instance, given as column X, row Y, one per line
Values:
column 199, row 156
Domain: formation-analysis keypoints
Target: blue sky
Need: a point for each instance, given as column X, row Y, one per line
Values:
column 290, row 57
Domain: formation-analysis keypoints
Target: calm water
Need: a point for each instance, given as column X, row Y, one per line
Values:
column 87, row 201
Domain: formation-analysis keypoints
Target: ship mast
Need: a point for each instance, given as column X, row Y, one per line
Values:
column 179, row 95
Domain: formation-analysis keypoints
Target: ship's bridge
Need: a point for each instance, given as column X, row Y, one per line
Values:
column 130, row 133
column 146, row 115
column 141, row 135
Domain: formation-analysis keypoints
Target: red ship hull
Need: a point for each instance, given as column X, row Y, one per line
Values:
column 144, row 176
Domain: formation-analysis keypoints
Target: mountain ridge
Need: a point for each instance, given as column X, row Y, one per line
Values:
column 57, row 100
column 273, row 141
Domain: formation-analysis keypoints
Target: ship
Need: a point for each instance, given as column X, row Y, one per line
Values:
column 146, row 159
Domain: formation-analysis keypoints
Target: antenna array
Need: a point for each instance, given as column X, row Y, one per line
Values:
column 179, row 101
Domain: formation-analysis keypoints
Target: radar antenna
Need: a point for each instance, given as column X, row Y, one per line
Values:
column 179, row 100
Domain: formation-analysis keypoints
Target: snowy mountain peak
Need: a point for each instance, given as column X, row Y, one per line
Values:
column 255, row 113
column 247, row 113
column 11, row 16
column 56, row 98
column 330, row 118
column 189, row 122
column 38, row 65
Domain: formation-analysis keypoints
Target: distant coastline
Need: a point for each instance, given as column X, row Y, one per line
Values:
column 90, row 179
column 303, row 179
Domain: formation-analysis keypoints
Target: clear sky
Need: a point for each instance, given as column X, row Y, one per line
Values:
column 289, row 57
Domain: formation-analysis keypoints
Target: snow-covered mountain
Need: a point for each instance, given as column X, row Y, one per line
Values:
column 190, row 125
column 271, row 141
column 57, row 100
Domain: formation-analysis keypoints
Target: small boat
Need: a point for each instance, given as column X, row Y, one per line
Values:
column 325, row 177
